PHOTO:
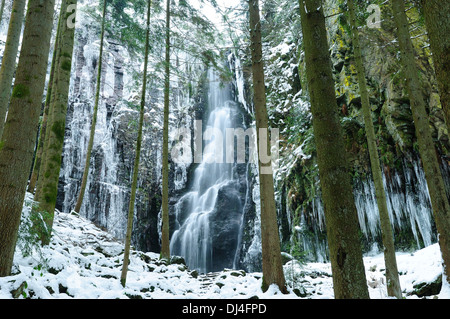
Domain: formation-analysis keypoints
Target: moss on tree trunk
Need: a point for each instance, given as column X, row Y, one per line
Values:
column 165, row 241
column 123, row 277
column 349, row 280
column 47, row 187
column 19, row 136
column 10, row 56
column 270, row 239
column 392, row 278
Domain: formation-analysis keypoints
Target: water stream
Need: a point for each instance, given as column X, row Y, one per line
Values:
column 193, row 237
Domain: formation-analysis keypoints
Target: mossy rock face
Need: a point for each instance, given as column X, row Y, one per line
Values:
column 391, row 112
column 399, row 123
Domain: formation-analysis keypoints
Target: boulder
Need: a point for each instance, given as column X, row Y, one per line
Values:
column 425, row 289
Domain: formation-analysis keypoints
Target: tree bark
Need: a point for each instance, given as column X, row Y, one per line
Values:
column 40, row 147
column 437, row 13
column 47, row 187
column 427, row 150
column 165, row 241
column 392, row 278
column 19, row 136
column 9, row 57
column 123, row 277
column 349, row 280
column 2, row 8
column 94, row 116
column 270, row 239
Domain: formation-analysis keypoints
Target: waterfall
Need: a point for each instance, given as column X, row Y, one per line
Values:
column 211, row 211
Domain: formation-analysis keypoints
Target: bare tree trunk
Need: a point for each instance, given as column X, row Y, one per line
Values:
column 427, row 150
column 392, row 278
column 123, row 277
column 9, row 57
column 165, row 241
column 270, row 238
column 19, row 136
column 94, row 116
column 349, row 280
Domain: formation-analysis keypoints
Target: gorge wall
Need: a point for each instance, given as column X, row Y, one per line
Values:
column 300, row 208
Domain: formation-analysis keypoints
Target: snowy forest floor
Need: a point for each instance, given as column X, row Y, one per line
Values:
column 84, row 262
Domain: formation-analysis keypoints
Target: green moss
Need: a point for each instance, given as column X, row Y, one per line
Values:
column 20, row 91
column 66, row 65
column 56, row 159
column 66, row 55
column 50, row 197
column 50, row 193
column 59, row 129
column 264, row 285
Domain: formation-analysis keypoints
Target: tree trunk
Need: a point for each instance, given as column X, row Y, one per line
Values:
column 427, row 150
column 165, row 241
column 94, row 116
column 2, row 8
column 437, row 13
column 19, row 136
column 392, row 278
column 47, row 187
column 271, row 252
column 349, row 280
column 9, row 57
column 40, row 147
column 126, row 257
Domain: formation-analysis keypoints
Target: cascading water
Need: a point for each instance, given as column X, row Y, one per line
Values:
column 213, row 195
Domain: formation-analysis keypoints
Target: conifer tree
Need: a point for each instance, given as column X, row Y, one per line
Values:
column 437, row 14
column 123, row 277
column 47, row 187
column 165, row 241
column 270, row 239
column 2, row 8
column 94, row 115
column 349, row 280
column 427, row 150
column 9, row 57
column 19, row 136
column 42, row 131
column 392, row 278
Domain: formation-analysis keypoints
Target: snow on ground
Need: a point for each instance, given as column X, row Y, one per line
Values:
column 84, row 262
